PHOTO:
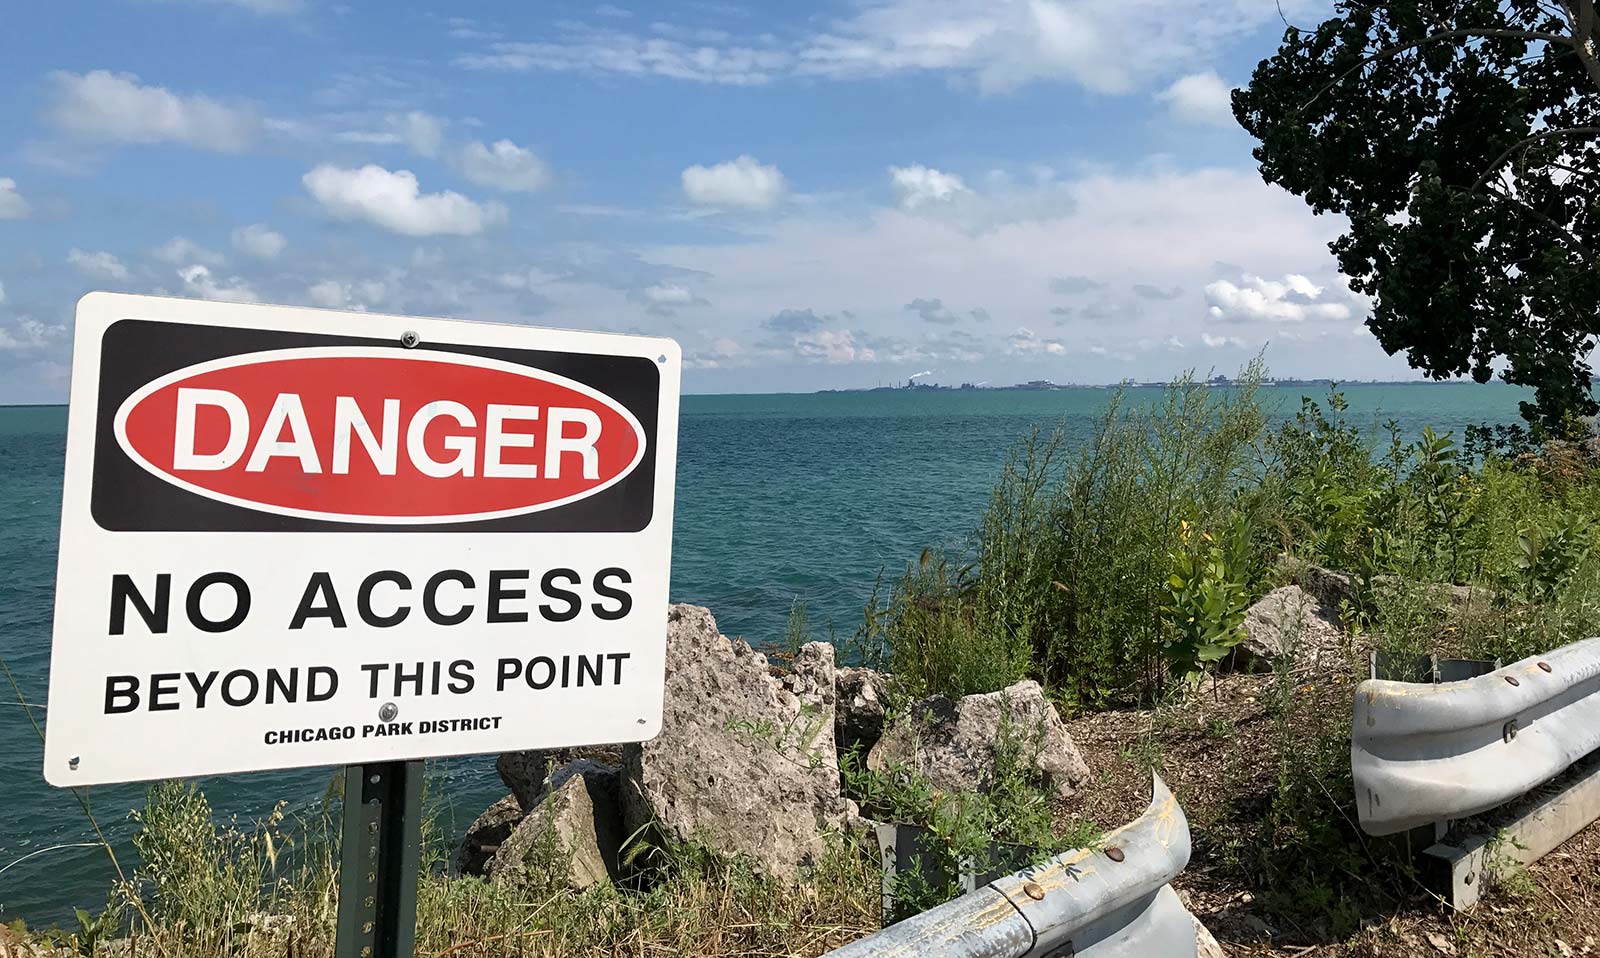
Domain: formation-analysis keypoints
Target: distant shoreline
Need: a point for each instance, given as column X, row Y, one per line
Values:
column 1037, row 386
column 1045, row 385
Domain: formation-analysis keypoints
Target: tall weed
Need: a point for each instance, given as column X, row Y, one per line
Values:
column 938, row 637
column 1075, row 551
column 1073, row 560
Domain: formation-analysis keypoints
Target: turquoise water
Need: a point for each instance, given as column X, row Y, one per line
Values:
column 779, row 498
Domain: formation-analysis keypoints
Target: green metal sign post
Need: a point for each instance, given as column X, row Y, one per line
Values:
column 380, row 847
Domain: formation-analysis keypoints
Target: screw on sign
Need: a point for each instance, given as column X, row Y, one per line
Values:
column 280, row 527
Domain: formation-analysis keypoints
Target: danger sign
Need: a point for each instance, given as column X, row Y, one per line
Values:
column 297, row 537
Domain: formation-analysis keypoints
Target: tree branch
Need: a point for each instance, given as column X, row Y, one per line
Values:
column 1584, row 32
column 1526, row 142
column 1541, row 217
column 1478, row 32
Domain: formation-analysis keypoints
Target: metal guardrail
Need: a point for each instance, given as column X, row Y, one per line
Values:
column 1092, row 903
column 1424, row 753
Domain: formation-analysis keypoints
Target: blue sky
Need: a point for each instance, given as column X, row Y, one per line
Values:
column 804, row 195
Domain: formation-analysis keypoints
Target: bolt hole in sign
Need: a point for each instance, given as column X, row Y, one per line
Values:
column 296, row 537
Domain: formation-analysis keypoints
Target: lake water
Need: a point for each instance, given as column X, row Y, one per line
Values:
column 780, row 499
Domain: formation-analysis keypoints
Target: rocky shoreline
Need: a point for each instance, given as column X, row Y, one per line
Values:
column 748, row 764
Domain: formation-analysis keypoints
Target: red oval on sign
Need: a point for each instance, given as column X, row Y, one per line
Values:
column 378, row 435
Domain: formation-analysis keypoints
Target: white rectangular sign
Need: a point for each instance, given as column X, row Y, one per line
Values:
column 298, row 537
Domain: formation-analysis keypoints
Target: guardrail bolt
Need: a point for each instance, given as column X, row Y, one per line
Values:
column 1114, row 853
column 1510, row 731
column 1512, row 680
column 1033, row 890
column 1545, row 666
column 409, row 338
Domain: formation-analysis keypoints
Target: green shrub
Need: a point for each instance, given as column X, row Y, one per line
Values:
column 1075, row 552
column 1322, row 470
column 1206, row 599
column 937, row 637
column 1073, row 560
column 196, row 874
column 1006, row 825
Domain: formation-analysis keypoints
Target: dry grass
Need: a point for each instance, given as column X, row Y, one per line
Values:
column 205, row 890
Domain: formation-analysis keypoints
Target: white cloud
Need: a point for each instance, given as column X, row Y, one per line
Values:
column 111, row 107
column 333, row 294
column 1003, row 44
column 1221, row 342
column 421, row 133
column 503, row 166
column 665, row 299
column 97, row 265
column 743, row 183
column 669, row 294
column 918, row 185
column 394, row 201
column 2, row 292
column 1098, row 233
column 530, row 277
column 1004, row 199
column 931, row 310
column 259, row 240
column 586, row 50
column 719, row 353
column 329, row 293
column 1199, row 98
column 12, row 205
column 833, row 346
column 1070, row 285
column 1294, row 300
column 935, row 311
column 181, row 250
column 198, row 281
column 27, row 335
column 1025, row 342
column 994, row 45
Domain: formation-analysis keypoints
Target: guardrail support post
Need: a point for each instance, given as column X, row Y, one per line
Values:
column 1461, row 868
column 380, row 848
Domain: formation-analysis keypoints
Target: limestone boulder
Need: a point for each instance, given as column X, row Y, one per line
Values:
column 1330, row 587
column 527, row 773
column 858, row 708
column 486, row 834
column 1206, row 945
column 956, row 744
column 572, row 838
column 1289, row 626
column 745, row 763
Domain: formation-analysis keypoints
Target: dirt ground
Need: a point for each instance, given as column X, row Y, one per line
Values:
column 1220, row 752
